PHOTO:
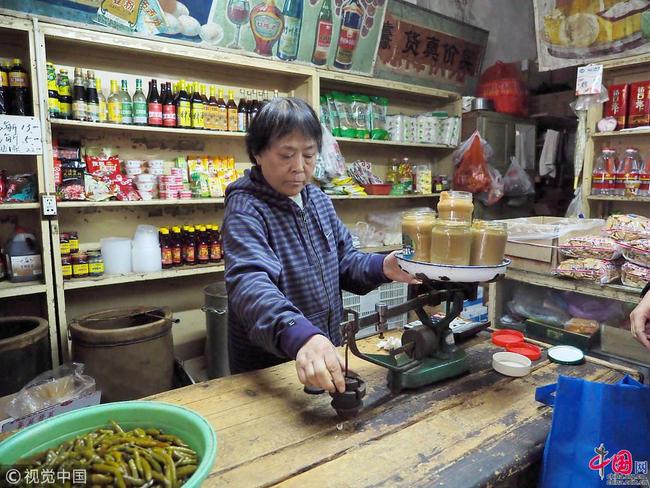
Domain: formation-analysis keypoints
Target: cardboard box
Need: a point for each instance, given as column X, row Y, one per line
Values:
column 617, row 105
column 542, row 255
column 638, row 113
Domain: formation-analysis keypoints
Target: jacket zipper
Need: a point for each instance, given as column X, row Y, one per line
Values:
column 322, row 275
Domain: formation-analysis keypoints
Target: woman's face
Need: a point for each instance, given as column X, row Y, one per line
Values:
column 288, row 163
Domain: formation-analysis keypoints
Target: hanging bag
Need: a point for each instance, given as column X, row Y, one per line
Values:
column 600, row 432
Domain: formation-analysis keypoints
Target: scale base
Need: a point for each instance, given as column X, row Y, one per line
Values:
column 431, row 370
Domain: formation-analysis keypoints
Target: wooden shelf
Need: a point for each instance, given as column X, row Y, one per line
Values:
column 380, row 197
column 19, row 206
column 613, row 292
column 348, row 140
column 76, row 284
column 76, row 124
column 625, row 132
column 608, row 198
column 8, row 289
column 142, row 203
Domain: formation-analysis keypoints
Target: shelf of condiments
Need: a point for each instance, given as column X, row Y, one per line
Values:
column 360, row 116
column 20, row 257
column 150, row 250
column 21, row 188
column 626, row 176
column 181, row 104
column 15, row 96
column 98, row 174
column 452, row 237
column 402, row 178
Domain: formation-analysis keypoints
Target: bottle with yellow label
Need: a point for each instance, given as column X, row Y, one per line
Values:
column 183, row 107
column 103, row 107
column 54, row 106
column 231, row 108
column 222, row 112
column 115, row 104
column 197, row 107
column 65, row 99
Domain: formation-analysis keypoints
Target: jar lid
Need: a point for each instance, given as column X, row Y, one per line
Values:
column 531, row 351
column 505, row 337
column 568, row 355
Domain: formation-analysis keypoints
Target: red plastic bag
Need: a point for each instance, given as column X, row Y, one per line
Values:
column 472, row 173
column 503, row 84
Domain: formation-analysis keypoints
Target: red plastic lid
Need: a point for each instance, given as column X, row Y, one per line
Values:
column 531, row 351
column 505, row 337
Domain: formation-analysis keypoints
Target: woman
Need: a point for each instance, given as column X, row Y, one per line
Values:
column 288, row 255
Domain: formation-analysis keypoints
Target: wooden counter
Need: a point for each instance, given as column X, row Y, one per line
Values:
column 470, row 431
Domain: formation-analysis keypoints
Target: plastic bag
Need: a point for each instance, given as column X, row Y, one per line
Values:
column 591, row 247
column 50, row 388
column 531, row 229
column 576, row 207
column 594, row 308
column 627, row 228
column 21, row 188
column 516, row 182
column 539, row 304
column 472, row 173
column 330, row 163
column 496, row 188
column 635, row 276
column 596, row 270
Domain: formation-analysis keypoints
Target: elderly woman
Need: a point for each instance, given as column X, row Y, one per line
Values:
column 288, row 256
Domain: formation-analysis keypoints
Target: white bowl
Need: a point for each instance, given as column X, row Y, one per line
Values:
column 451, row 273
column 511, row 364
column 133, row 163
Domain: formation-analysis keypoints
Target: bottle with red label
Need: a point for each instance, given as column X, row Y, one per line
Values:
column 202, row 246
column 177, row 246
column 603, row 177
column 267, row 24
column 323, row 34
column 168, row 107
column 154, row 106
column 216, row 254
column 190, row 246
column 628, row 179
column 351, row 18
column 644, row 176
column 166, row 248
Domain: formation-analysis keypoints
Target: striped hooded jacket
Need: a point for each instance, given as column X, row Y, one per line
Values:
column 285, row 269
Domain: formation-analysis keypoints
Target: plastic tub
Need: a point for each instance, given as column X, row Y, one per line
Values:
column 188, row 425
column 378, row 189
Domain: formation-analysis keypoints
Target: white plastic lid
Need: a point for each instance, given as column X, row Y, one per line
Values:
column 566, row 355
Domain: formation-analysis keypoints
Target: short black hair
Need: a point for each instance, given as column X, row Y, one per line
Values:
column 279, row 118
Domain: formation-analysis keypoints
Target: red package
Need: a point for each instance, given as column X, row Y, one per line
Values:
column 639, row 108
column 109, row 165
column 472, row 173
column 617, row 105
column 124, row 189
column 58, row 174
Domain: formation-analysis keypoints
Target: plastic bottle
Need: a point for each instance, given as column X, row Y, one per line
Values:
column 215, row 245
column 203, row 246
column 629, row 172
column 23, row 257
column 190, row 246
column 177, row 247
column 166, row 248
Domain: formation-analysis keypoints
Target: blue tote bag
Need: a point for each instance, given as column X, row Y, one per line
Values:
column 600, row 434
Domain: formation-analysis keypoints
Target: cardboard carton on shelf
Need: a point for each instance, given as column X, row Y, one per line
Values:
column 533, row 242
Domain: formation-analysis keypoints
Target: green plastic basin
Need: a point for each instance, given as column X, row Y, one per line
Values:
column 172, row 419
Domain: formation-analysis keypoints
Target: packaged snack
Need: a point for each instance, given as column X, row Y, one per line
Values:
column 124, row 189
column 627, row 228
column 395, row 127
column 100, row 161
column 617, row 105
column 347, row 126
column 635, row 276
column 639, row 105
column 378, row 114
column 21, row 188
column 582, row 326
column 98, row 187
column 597, row 270
column 638, row 252
column 71, row 186
column 325, row 118
column 410, row 128
column 359, row 108
column 334, row 115
column 591, row 247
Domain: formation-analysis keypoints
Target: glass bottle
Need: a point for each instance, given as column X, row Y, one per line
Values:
column 197, row 108
column 103, row 106
column 177, row 247
column 168, row 107
column 211, row 110
column 54, row 106
column 183, row 108
column 324, row 27
column 351, row 17
column 140, row 112
column 154, row 114
column 289, row 42
column 92, row 98
column 222, row 112
column 232, row 112
column 127, row 104
column 242, row 120
column 78, row 96
column 114, row 104
column 65, row 99
column 19, row 99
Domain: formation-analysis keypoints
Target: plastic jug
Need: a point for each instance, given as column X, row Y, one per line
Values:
column 23, row 257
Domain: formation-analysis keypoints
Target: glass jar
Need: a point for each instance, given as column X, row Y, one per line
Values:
column 73, row 238
column 455, row 205
column 66, row 267
column 95, row 264
column 64, row 244
column 80, row 265
column 488, row 243
column 416, row 234
column 451, row 242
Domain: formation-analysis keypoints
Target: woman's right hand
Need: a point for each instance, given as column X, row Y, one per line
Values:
column 639, row 321
column 318, row 364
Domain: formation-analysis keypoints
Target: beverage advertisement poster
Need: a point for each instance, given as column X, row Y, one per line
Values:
column 423, row 47
column 579, row 32
column 334, row 34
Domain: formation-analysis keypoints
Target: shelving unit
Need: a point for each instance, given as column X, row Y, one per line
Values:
column 121, row 57
column 30, row 298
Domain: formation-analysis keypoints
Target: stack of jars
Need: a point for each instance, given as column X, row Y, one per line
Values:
column 452, row 238
column 625, row 177
column 76, row 263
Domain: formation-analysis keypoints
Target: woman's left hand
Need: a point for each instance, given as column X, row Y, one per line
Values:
column 395, row 273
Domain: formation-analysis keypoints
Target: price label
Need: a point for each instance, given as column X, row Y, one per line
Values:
column 20, row 135
column 590, row 79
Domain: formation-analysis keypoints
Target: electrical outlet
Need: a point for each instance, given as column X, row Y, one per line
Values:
column 48, row 205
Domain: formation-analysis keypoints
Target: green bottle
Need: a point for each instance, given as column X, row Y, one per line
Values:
column 139, row 105
column 127, row 104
